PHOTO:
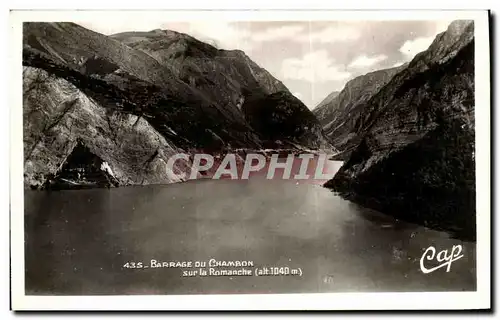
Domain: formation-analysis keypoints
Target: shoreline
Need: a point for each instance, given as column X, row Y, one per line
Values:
column 193, row 163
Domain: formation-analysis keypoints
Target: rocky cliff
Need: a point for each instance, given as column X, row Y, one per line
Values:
column 339, row 113
column 415, row 159
column 60, row 119
column 284, row 118
column 133, row 99
column 236, row 83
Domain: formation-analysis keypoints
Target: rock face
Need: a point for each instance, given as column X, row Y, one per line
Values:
column 416, row 155
column 340, row 112
column 220, row 76
column 280, row 116
column 134, row 99
column 327, row 100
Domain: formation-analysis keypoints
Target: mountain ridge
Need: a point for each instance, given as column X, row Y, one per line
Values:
column 186, row 106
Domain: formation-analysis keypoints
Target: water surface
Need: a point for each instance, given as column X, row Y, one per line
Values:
column 78, row 241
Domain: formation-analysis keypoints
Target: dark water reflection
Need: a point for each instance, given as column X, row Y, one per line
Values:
column 78, row 241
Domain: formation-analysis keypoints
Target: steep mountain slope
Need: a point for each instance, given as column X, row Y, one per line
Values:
column 340, row 115
column 192, row 99
column 190, row 58
column 416, row 155
column 329, row 98
column 230, row 78
column 59, row 117
column 282, row 117
column 132, row 79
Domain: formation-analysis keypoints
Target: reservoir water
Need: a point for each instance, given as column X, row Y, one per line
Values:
column 78, row 241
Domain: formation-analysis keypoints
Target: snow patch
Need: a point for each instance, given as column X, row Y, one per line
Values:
column 105, row 167
column 170, row 129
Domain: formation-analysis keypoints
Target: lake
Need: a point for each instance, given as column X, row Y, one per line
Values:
column 78, row 241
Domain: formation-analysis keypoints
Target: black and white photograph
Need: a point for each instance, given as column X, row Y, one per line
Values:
column 168, row 155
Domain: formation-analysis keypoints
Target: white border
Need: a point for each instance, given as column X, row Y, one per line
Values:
column 323, row 301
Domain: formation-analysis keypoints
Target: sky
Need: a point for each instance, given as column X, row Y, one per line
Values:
column 312, row 58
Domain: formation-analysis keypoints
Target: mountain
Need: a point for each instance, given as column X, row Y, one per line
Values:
column 339, row 113
column 415, row 159
column 327, row 100
column 61, row 120
column 231, row 79
column 131, row 100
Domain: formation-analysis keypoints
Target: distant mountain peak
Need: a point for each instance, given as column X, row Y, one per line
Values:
column 457, row 27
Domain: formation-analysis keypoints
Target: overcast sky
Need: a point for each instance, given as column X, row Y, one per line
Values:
column 311, row 58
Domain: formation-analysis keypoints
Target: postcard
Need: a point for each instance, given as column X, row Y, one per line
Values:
column 269, row 160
